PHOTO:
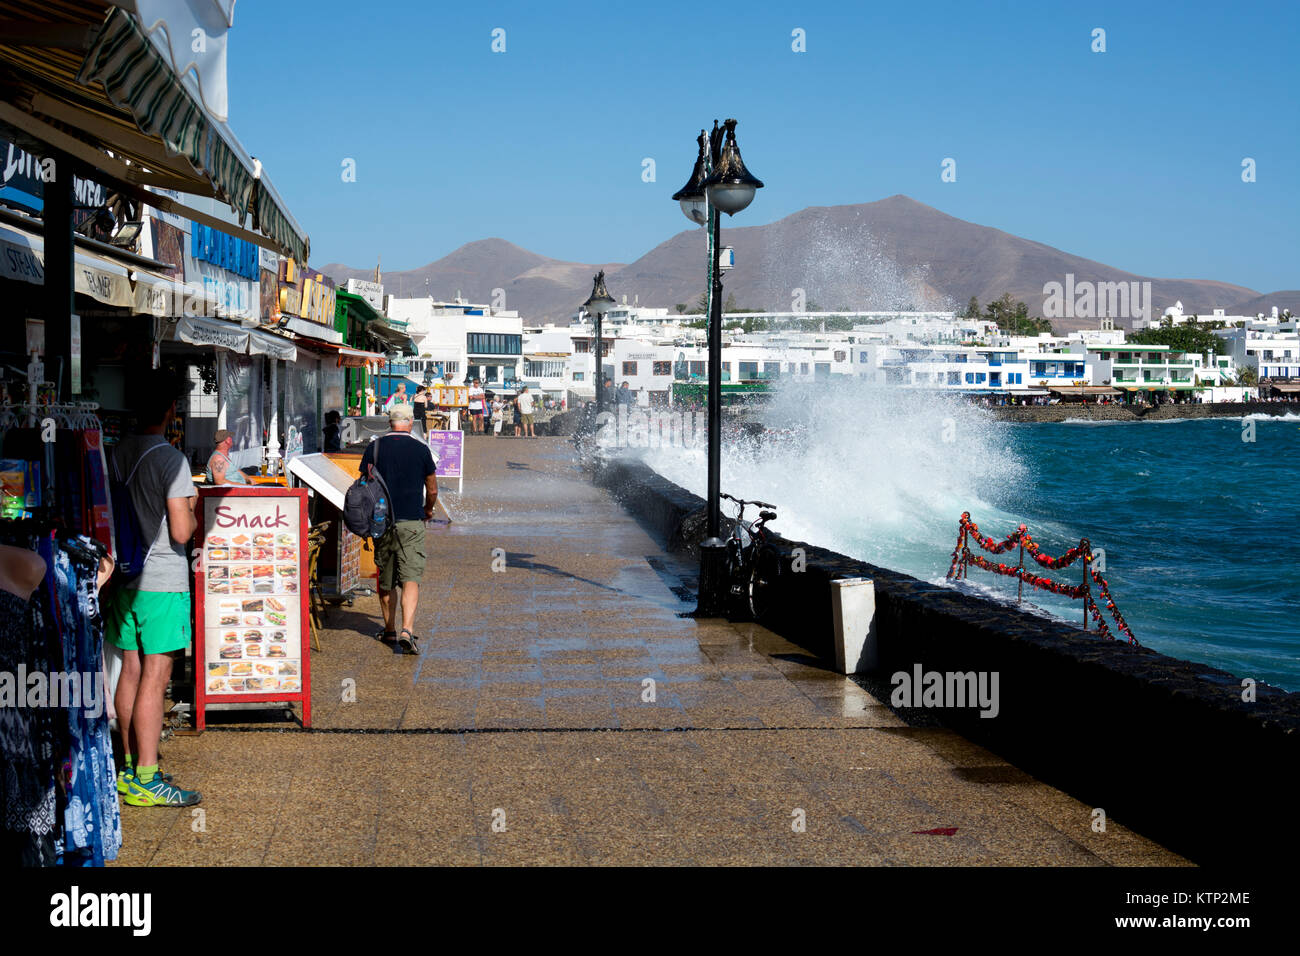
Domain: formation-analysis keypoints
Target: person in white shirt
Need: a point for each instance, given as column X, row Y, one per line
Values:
column 525, row 402
column 476, row 407
column 498, row 413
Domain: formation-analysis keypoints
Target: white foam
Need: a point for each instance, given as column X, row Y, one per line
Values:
column 881, row 474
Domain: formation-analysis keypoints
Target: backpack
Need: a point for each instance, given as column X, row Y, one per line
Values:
column 132, row 549
column 362, row 496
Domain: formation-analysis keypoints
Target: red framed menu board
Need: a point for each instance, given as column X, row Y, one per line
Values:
column 251, row 598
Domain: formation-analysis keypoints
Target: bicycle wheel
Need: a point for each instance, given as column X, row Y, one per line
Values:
column 737, row 585
column 762, row 589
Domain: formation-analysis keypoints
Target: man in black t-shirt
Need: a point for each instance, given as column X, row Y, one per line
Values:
column 406, row 465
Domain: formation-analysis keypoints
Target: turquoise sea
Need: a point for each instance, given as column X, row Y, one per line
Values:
column 1201, row 529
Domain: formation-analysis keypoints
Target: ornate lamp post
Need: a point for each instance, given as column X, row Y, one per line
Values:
column 719, row 183
column 597, row 304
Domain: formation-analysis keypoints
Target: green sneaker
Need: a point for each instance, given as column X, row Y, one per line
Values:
column 124, row 774
column 158, row 793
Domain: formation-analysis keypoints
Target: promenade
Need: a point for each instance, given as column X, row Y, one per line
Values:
column 561, row 711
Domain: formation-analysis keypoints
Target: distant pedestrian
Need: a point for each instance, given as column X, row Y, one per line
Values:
column 333, row 433
column 419, row 406
column 476, row 400
column 407, row 467
column 498, row 409
column 397, row 398
column 625, row 396
column 526, row 412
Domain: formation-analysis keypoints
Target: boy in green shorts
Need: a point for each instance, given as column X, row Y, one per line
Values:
column 148, row 616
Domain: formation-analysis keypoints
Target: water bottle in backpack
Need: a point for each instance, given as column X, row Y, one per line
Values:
column 379, row 519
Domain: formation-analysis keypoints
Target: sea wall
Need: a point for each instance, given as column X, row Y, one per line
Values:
column 1137, row 413
column 1163, row 746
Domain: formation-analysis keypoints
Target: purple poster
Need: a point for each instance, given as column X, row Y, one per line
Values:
column 448, row 449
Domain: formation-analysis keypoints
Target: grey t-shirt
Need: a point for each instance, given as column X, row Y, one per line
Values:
column 162, row 474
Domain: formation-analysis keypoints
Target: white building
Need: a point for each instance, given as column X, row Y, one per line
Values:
column 462, row 340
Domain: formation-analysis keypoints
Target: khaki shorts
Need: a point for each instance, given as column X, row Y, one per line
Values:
column 399, row 554
column 526, row 419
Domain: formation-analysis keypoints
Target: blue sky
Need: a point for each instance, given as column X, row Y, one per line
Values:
column 1131, row 157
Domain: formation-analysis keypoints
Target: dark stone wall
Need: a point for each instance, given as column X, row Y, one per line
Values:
column 1166, row 747
column 1136, row 413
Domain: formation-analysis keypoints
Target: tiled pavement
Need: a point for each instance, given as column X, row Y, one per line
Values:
column 561, row 711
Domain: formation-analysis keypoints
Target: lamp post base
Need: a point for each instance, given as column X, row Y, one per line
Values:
column 715, row 589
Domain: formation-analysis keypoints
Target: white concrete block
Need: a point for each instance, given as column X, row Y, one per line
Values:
column 854, row 602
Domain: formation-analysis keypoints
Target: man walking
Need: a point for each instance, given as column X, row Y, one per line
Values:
column 148, row 617
column 406, row 465
column 526, row 412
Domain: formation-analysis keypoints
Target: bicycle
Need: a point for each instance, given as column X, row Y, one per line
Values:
column 753, row 563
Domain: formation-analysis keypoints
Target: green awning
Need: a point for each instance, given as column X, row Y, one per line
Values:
column 390, row 338
column 137, row 78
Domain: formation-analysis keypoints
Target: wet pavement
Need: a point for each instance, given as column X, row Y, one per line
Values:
column 562, row 711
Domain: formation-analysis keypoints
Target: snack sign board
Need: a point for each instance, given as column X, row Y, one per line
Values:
column 251, row 598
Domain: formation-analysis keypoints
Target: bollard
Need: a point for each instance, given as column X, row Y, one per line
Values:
column 854, row 603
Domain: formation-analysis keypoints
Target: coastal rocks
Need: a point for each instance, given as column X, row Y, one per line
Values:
column 1134, row 413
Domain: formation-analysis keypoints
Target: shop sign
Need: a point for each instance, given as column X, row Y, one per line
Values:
column 222, row 249
column 251, row 598
column 305, row 294
column 448, row 449
column 372, row 292
column 234, row 295
column 26, row 173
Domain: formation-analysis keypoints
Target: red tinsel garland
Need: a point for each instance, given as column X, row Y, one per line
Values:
column 963, row 557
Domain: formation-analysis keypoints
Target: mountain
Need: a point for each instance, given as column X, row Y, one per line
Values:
column 893, row 253
column 540, row 288
column 1285, row 299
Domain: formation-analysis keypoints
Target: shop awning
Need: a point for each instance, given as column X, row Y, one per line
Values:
column 233, row 337
column 347, row 357
column 1287, row 388
column 1066, row 391
column 22, row 257
column 83, row 76
column 391, row 338
column 264, row 343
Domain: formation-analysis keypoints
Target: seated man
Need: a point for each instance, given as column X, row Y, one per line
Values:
column 220, row 469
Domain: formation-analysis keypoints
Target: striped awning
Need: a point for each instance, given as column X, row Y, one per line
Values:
column 136, row 78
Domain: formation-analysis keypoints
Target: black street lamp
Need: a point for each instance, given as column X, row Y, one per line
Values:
column 597, row 304
column 719, row 183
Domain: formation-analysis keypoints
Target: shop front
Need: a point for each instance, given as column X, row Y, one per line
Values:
column 103, row 119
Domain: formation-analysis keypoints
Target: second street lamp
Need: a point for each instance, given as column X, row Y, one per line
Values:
column 719, row 183
column 597, row 304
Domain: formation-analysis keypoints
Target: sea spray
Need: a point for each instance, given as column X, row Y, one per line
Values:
column 879, row 473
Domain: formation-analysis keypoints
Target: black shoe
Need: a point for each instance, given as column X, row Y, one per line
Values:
column 388, row 638
column 407, row 642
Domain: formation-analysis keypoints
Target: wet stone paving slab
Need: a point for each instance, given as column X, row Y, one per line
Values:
column 562, row 711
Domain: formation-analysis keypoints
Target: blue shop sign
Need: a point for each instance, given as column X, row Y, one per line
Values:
column 234, row 255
